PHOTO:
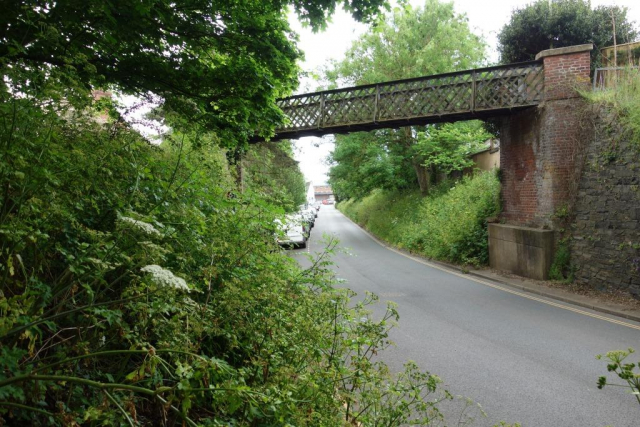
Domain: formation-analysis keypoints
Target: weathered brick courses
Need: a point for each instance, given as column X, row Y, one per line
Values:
column 540, row 147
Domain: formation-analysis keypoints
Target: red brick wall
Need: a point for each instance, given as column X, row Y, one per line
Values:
column 518, row 167
column 540, row 147
column 564, row 73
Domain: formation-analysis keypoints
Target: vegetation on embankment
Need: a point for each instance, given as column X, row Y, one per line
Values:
column 139, row 287
column 383, row 175
column 622, row 95
column 139, row 284
column 449, row 224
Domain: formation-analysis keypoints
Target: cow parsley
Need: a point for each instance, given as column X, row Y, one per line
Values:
column 165, row 278
column 141, row 226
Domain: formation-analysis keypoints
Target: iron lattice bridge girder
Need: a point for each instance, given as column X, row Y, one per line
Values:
column 464, row 95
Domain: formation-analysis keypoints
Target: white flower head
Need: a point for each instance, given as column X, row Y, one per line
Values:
column 165, row 278
column 141, row 226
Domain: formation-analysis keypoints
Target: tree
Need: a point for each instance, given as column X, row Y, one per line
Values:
column 219, row 63
column 546, row 25
column 412, row 42
column 448, row 147
column 364, row 161
column 272, row 172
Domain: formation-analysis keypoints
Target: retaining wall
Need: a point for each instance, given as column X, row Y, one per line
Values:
column 605, row 234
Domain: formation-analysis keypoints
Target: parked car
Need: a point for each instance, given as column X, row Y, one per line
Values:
column 330, row 201
column 292, row 232
column 310, row 215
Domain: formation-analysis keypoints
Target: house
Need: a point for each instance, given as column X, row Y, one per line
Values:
column 488, row 158
column 322, row 192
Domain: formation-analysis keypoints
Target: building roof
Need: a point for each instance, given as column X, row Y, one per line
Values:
column 322, row 189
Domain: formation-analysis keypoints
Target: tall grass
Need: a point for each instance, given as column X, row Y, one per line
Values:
column 623, row 95
column 449, row 224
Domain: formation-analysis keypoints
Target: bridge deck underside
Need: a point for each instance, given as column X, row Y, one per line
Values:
column 395, row 124
column 466, row 95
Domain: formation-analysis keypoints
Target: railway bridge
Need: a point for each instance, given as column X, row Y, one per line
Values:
column 539, row 108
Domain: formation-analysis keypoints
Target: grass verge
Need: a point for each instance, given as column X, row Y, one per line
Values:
column 449, row 224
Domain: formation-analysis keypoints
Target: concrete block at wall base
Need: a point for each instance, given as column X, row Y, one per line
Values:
column 524, row 251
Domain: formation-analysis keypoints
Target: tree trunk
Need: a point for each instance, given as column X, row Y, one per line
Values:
column 423, row 175
column 422, row 172
column 240, row 175
column 236, row 161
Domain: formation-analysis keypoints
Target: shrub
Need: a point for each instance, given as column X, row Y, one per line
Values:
column 449, row 224
column 139, row 288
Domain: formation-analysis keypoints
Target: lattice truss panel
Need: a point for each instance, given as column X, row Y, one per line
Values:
column 457, row 93
column 303, row 111
column 425, row 97
column 349, row 106
column 509, row 87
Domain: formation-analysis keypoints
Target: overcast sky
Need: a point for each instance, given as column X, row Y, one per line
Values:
column 485, row 18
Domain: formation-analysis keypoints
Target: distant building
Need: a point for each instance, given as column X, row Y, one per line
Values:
column 626, row 53
column 322, row 192
column 616, row 60
column 488, row 158
column 309, row 192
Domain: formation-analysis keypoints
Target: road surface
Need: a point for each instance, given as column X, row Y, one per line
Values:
column 523, row 360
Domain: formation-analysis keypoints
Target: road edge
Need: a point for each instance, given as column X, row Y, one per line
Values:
column 502, row 281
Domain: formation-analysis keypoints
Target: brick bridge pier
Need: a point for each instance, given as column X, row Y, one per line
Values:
column 540, row 165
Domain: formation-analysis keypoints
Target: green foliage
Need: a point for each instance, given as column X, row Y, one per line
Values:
column 364, row 161
column 410, row 42
column 449, row 224
column 385, row 213
column 448, row 147
column 545, row 25
column 271, row 169
column 218, row 63
column 561, row 268
column 623, row 96
column 628, row 372
column 139, row 288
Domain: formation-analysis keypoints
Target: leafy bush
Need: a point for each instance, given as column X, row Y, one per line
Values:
column 140, row 288
column 449, row 224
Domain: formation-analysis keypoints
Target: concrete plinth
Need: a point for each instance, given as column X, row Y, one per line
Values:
column 524, row 251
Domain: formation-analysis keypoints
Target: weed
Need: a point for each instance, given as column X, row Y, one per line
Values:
column 561, row 268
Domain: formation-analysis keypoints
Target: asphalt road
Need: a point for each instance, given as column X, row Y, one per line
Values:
column 521, row 359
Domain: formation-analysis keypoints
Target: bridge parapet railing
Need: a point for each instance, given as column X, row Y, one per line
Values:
column 494, row 88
